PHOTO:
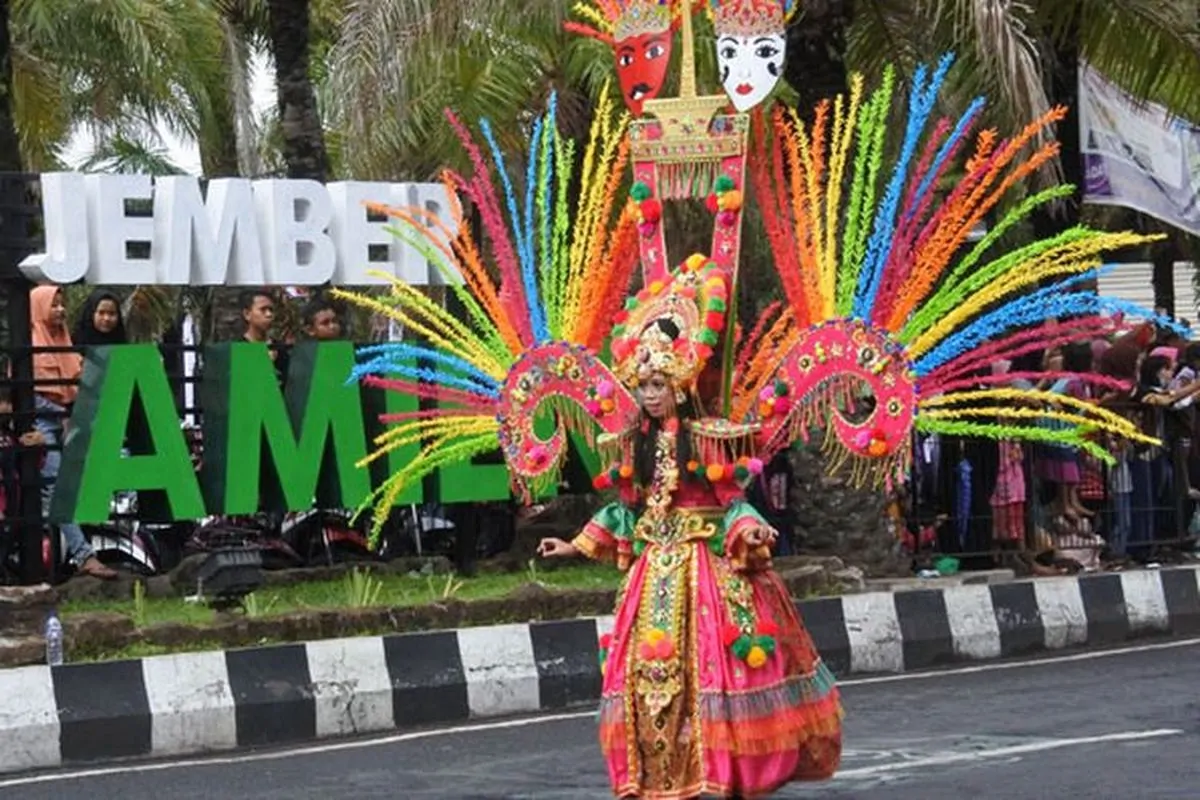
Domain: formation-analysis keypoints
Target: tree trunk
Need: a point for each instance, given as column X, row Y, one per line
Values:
column 816, row 52
column 303, row 137
column 1063, row 64
column 10, row 144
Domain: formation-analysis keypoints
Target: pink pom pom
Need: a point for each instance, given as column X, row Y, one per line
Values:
column 755, row 465
column 646, row 228
column 605, row 389
column 593, row 408
column 766, row 394
column 782, row 405
column 727, row 218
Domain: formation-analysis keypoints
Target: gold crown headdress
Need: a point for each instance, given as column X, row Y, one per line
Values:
column 751, row 17
column 615, row 20
column 672, row 327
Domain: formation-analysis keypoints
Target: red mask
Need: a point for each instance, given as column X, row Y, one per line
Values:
column 642, row 67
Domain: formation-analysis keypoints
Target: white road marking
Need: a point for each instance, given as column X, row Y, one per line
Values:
column 1032, row 662
column 1004, row 752
column 334, row 747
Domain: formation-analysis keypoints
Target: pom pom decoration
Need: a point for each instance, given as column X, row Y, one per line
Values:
column 651, row 211
column 755, row 466
column 714, row 472
column 730, row 633
column 723, row 184
column 640, row 191
column 727, row 218
column 756, row 657
column 730, row 201
column 712, row 203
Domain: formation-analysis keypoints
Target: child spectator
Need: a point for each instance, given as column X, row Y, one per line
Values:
column 10, row 477
column 1058, row 464
column 1008, row 498
column 321, row 320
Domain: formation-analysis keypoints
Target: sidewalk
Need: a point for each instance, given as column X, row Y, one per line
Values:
column 200, row 702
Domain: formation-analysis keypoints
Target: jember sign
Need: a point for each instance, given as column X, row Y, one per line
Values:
column 264, row 447
column 239, row 233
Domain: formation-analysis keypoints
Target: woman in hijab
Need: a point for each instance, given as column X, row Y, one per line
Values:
column 56, row 375
column 100, row 322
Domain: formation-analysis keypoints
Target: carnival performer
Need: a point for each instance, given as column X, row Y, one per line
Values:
column 711, row 683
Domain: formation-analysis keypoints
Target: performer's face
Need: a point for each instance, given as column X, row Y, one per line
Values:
column 642, row 67
column 658, row 400
column 750, row 67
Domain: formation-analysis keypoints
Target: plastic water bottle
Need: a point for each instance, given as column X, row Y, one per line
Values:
column 54, row 640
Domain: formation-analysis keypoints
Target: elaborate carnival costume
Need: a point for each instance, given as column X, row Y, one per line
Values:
column 711, row 684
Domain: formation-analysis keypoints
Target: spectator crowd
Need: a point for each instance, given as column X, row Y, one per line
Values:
column 1057, row 509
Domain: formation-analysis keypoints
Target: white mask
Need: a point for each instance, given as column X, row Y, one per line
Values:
column 750, row 66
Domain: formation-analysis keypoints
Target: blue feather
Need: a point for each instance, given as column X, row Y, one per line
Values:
column 960, row 130
column 922, row 97
column 400, row 358
column 514, row 213
column 1031, row 309
column 529, row 261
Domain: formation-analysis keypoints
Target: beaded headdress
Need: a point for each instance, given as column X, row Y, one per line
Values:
column 751, row 17
column 672, row 327
column 614, row 20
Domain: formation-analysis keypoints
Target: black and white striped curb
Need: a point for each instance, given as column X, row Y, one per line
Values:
column 200, row 702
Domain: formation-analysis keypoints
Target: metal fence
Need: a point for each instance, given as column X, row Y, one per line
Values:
column 1139, row 509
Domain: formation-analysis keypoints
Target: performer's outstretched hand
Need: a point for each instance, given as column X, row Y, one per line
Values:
column 556, row 548
column 760, row 536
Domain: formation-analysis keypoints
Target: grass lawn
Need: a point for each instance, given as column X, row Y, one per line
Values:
column 355, row 590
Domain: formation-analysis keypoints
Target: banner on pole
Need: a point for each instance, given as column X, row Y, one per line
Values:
column 1138, row 155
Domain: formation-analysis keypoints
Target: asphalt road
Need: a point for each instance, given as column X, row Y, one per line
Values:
column 1116, row 725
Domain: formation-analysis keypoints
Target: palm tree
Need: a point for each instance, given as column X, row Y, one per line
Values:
column 398, row 64
column 303, row 134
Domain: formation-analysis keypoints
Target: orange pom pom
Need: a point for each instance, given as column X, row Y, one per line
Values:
column 714, row 472
column 626, row 471
column 730, row 201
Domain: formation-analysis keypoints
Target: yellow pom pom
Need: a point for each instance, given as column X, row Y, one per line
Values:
column 655, row 287
column 756, row 657
column 730, row 201
column 695, row 261
column 655, row 635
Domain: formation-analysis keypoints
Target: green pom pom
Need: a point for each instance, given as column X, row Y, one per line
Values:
column 700, row 471
column 708, row 337
column 723, row 184
column 640, row 192
column 716, row 544
column 741, row 473
column 618, row 331
column 781, row 389
column 639, row 547
column 767, row 643
column 717, row 304
column 603, row 657
column 614, row 474
column 741, row 646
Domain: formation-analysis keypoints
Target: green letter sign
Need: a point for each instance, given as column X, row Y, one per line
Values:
column 303, row 448
column 125, row 400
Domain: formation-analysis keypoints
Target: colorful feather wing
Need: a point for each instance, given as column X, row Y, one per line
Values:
column 537, row 295
column 895, row 313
